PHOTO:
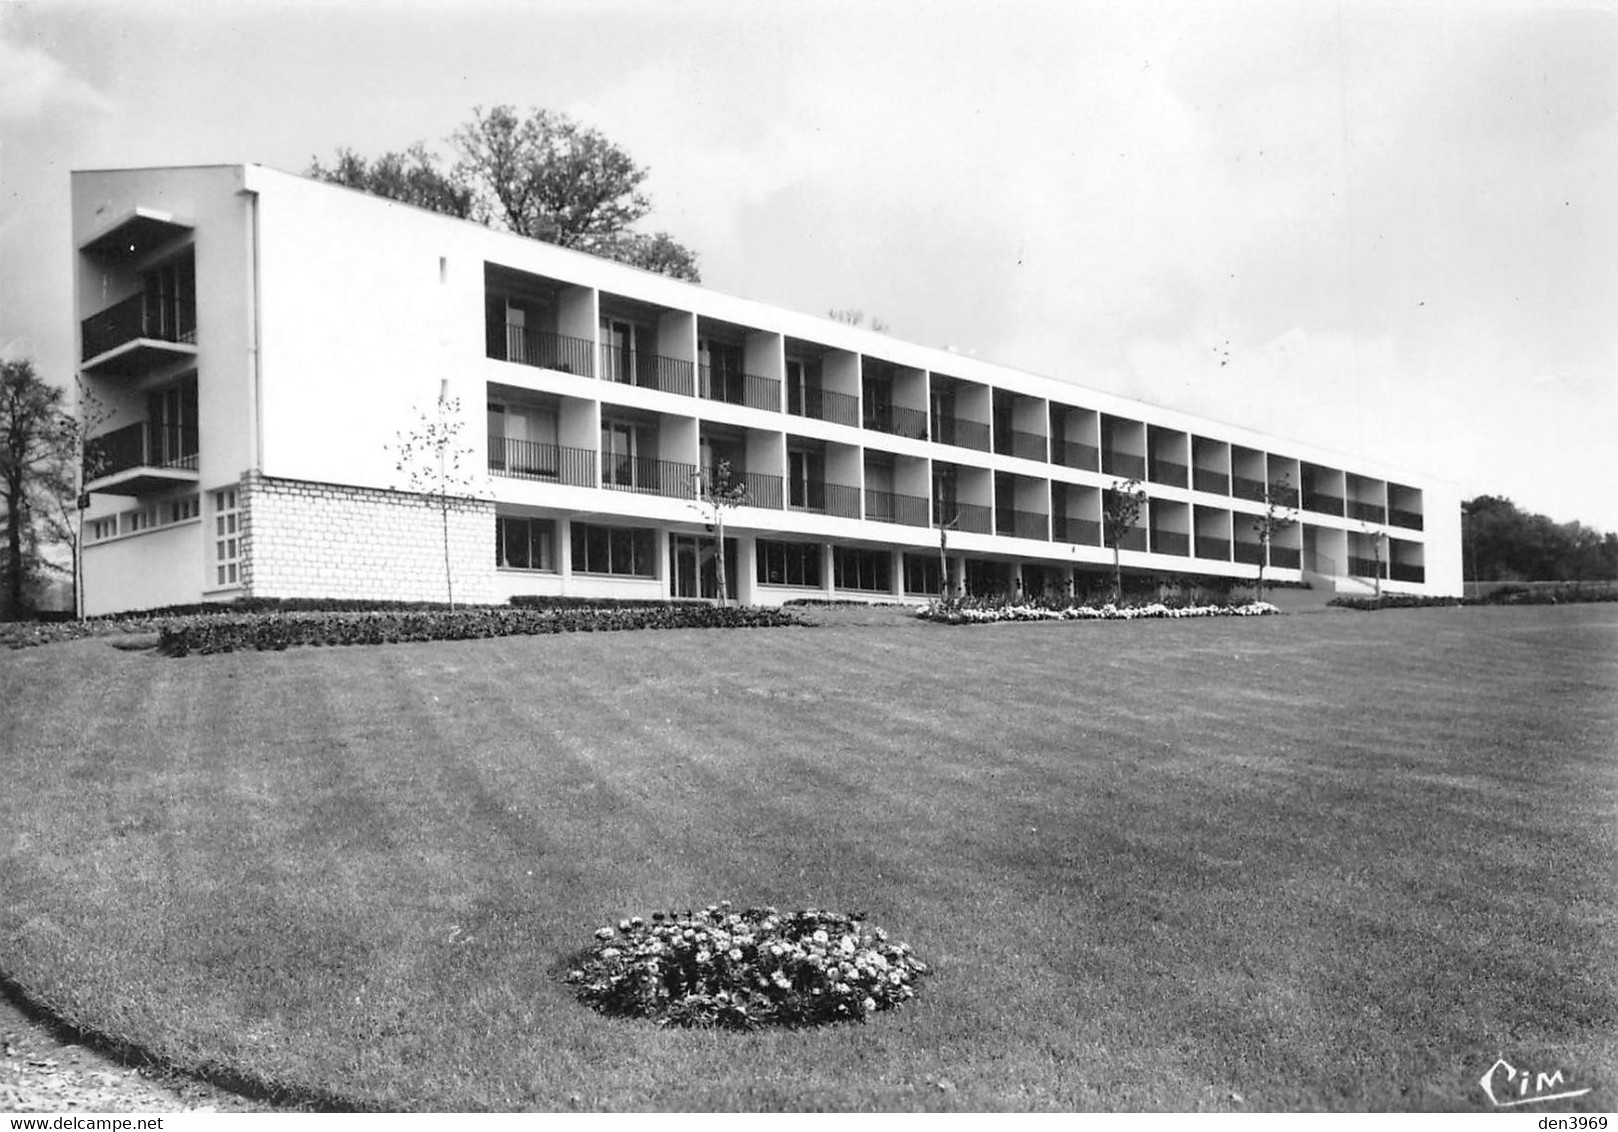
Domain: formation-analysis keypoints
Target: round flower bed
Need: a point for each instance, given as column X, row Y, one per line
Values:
column 760, row 967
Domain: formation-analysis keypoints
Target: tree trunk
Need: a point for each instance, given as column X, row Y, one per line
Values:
column 14, row 572
column 719, row 554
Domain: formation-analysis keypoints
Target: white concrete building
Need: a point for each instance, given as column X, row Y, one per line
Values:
column 263, row 340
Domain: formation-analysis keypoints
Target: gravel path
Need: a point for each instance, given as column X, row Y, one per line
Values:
column 42, row 1072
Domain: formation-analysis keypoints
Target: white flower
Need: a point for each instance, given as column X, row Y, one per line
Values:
column 869, row 1004
column 735, row 955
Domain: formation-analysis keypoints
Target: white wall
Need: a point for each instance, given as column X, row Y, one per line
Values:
column 144, row 571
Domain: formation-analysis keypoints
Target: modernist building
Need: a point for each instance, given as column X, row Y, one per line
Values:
column 262, row 340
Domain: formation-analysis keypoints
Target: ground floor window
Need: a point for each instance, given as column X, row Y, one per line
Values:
column 857, row 569
column 921, row 574
column 614, row 550
column 227, row 538
column 525, row 544
column 789, row 563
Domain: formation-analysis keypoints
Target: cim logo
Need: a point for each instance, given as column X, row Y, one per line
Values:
column 1509, row 1087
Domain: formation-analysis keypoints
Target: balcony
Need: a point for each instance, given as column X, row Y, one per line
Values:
column 1024, row 445
column 962, row 433
column 896, row 420
column 734, row 387
column 1285, row 557
column 1171, row 542
column 648, row 476
column 136, row 336
column 971, row 517
column 1401, row 572
column 1401, row 518
column 1124, row 464
column 1367, row 512
column 834, row 499
column 543, row 349
column 1133, row 539
column 1249, row 553
column 141, row 458
column 824, row 405
column 649, row 371
column 1085, row 532
column 1072, row 454
column 1242, row 487
column 1166, row 472
column 1359, row 567
column 1214, row 483
column 762, row 490
column 1010, row 522
column 1322, row 503
column 551, row 463
column 890, row 507
column 1217, row 549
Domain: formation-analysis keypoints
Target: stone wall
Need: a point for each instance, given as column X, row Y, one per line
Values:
column 305, row 539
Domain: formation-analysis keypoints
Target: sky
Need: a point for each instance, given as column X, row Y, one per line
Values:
column 1387, row 229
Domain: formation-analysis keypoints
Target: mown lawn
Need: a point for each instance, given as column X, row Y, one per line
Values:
column 1334, row 861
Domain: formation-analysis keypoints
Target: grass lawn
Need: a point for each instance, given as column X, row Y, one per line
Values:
column 1335, row 861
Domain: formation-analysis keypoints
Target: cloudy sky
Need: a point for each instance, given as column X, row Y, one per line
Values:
column 1391, row 229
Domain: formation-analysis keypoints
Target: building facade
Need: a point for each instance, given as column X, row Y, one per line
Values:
column 259, row 343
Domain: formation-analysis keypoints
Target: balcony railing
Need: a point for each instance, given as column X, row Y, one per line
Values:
column 1367, row 512
column 1133, row 539
column 543, row 349
column 824, row 405
column 1022, row 524
column 1322, row 503
column 1123, row 464
column 1249, row 553
column 825, row 498
column 145, row 444
column 734, row 387
column 648, row 477
column 971, row 517
column 1073, row 454
column 962, row 433
column 896, row 420
column 649, row 371
column 1217, row 549
column 165, row 320
column 1171, row 542
column 1401, row 572
column 1015, row 442
column 1166, row 472
column 762, row 490
column 553, row 463
column 1085, row 532
column 1359, row 567
column 1285, row 557
column 1215, row 483
column 1402, row 518
column 890, row 507
column 1243, row 487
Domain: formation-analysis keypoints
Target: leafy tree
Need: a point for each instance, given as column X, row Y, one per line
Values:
column 1121, row 506
column 435, row 463
column 1280, row 501
column 720, row 489
column 1501, row 543
column 35, row 474
column 545, row 176
column 412, row 177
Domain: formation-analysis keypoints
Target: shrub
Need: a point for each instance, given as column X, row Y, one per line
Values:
column 743, row 970
column 969, row 612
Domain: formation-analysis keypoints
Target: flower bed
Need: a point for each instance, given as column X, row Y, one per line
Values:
column 228, row 632
column 951, row 613
column 743, row 970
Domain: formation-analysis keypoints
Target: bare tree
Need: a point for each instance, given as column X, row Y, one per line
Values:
column 80, row 451
column 435, row 463
column 1120, row 510
column 720, row 489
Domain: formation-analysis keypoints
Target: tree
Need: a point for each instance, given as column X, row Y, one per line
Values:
column 545, row 176
column 853, row 316
column 34, row 475
column 412, row 177
column 79, row 452
column 1279, row 500
column 720, row 489
column 1121, row 506
column 433, row 461
column 1502, row 543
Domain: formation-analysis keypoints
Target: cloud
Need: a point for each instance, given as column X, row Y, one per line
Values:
column 33, row 83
